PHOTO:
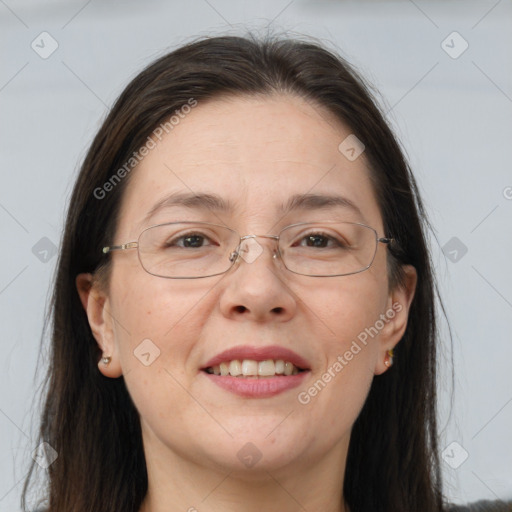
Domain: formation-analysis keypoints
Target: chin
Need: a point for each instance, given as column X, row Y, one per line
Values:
column 255, row 453
column 252, row 462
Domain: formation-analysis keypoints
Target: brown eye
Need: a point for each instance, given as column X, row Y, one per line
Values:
column 321, row 241
column 189, row 241
column 316, row 241
column 193, row 241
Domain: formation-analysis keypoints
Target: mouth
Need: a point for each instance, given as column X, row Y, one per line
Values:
column 250, row 368
column 257, row 372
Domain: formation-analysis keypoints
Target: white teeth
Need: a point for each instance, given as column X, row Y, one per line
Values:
column 235, row 368
column 251, row 368
column 266, row 368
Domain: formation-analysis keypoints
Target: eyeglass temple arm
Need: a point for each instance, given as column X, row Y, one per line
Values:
column 129, row 245
column 392, row 243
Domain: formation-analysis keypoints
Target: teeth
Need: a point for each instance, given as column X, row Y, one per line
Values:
column 249, row 367
column 266, row 368
column 235, row 368
column 254, row 369
column 224, row 368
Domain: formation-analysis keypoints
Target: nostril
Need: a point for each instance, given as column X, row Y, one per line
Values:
column 240, row 309
column 278, row 310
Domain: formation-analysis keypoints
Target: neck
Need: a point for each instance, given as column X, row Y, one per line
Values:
column 179, row 484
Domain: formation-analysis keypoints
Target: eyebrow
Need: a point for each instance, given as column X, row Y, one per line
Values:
column 191, row 200
column 214, row 202
column 319, row 201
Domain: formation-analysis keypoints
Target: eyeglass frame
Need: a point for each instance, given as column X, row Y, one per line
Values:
column 235, row 255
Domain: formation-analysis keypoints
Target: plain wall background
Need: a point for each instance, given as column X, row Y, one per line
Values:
column 453, row 116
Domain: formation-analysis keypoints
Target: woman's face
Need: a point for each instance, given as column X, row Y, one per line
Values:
column 254, row 155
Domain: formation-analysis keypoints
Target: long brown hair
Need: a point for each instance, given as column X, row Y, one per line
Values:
column 90, row 420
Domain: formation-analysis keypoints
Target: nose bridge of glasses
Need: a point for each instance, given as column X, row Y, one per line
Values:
column 248, row 237
column 249, row 249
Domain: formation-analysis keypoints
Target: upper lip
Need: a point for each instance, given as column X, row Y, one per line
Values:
column 274, row 352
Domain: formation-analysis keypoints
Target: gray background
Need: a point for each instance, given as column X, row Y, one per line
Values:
column 453, row 115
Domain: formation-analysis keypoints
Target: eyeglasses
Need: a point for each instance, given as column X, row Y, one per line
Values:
column 191, row 250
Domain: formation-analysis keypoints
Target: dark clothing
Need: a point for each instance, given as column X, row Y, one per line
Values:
column 483, row 506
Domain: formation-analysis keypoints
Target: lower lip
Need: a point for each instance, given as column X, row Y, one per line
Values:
column 260, row 387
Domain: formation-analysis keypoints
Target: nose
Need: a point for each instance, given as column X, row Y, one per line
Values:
column 256, row 289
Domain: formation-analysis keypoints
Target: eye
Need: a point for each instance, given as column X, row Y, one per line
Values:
column 193, row 241
column 321, row 241
column 316, row 241
column 189, row 241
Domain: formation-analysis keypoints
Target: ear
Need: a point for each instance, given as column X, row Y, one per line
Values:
column 396, row 315
column 97, row 308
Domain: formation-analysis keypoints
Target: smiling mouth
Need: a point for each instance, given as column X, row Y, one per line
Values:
column 250, row 368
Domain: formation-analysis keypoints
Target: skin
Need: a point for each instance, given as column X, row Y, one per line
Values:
column 256, row 153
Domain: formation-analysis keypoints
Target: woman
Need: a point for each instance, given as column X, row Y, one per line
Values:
column 244, row 306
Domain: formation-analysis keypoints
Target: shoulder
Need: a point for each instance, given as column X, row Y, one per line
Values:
column 482, row 506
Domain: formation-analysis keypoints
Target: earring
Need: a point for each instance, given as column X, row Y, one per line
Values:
column 389, row 358
column 106, row 360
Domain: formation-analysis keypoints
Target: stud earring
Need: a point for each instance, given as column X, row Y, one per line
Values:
column 389, row 358
column 106, row 360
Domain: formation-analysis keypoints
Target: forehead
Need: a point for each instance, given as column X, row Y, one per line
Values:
column 256, row 153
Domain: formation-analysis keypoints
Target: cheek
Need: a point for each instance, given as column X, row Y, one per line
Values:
column 157, row 321
column 347, row 306
column 347, row 317
column 159, row 324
